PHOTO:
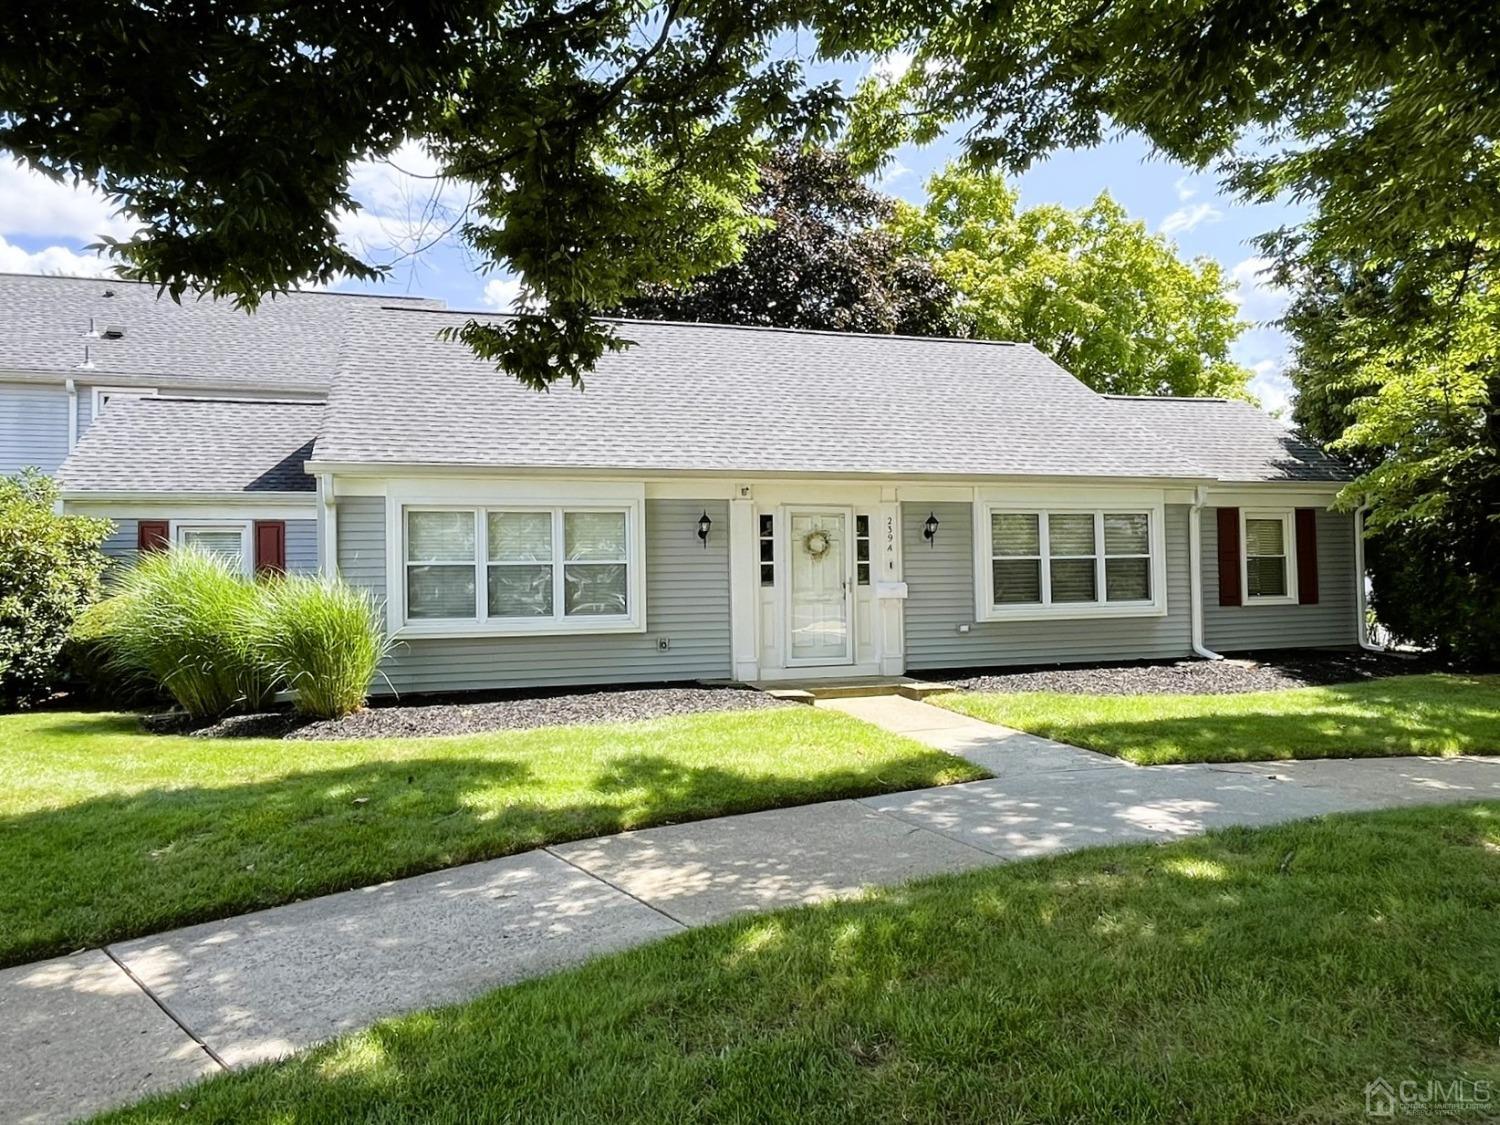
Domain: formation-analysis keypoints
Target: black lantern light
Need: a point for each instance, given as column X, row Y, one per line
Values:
column 704, row 524
column 929, row 529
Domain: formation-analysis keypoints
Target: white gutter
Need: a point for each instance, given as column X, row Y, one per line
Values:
column 1195, row 569
column 1361, row 607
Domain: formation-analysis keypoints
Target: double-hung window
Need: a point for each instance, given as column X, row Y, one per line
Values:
column 1267, row 537
column 521, row 568
column 1069, row 562
column 229, row 541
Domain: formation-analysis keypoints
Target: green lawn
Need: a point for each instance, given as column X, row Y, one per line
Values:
column 1247, row 975
column 107, row 832
column 1440, row 714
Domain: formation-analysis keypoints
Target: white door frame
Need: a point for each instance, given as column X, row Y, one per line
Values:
column 846, row 513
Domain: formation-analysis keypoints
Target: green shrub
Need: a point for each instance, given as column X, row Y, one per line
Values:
column 49, row 571
column 90, row 672
column 184, row 619
column 324, row 640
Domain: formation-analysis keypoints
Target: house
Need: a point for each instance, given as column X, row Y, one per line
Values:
column 717, row 502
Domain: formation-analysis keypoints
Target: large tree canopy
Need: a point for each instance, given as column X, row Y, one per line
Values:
column 1092, row 288
column 825, row 257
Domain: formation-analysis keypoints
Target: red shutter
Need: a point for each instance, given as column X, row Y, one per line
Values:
column 270, row 546
column 1229, row 557
column 1307, row 556
column 152, row 535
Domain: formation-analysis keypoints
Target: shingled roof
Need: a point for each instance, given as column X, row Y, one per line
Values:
column 1229, row 440
column 710, row 398
column 182, row 446
column 290, row 343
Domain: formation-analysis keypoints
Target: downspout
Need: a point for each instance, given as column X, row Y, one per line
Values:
column 1195, row 574
column 1361, row 606
column 72, row 412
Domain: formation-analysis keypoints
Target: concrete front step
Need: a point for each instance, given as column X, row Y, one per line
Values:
column 814, row 691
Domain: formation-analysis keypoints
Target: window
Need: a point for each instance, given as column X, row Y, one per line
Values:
column 1054, row 563
column 1267, row 543
column 230, row 541
column 519, row 568
column 862, row 550
column 767, row 550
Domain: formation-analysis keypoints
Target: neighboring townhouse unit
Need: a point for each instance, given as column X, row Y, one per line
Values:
column 73, row 350
column 740, row 503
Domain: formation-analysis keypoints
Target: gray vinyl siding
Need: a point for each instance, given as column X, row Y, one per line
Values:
column 302, row 546
column 940, row 598
column 85, row 409
column 687, row 603
column 1330, row 622
column 121, row 547
column 33, row 427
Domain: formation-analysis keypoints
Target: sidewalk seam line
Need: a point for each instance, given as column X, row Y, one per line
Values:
column 896, row 817
column 615, row 887
column 160, row 1003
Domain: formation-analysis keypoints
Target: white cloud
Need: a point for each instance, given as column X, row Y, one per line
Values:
column 1259, row 298
column 33, row 205
column 504, row 294
column 1190, row 216
column 406, row 206
column 891, row 173
column 1185, row 188
column 1268, row 382
column 55, row 260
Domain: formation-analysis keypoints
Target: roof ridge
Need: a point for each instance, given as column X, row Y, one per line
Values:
column 1168, row 398
column 435, row 303
column 740, row 327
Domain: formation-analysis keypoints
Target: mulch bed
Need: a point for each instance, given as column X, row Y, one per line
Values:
column 521, row 712
column 1269, row 671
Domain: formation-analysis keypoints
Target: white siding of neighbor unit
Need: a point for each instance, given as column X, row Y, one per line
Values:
column 33, row 427
column 940, row 580
column 1330, row 622
column 687, row 604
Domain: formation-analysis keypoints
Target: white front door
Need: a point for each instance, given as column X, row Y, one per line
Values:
column 818, row 549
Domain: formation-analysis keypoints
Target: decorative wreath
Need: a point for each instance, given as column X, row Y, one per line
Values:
column 816, row 543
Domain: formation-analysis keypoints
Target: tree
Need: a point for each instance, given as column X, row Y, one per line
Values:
column 824, row 257
column 50, row 566
column 610, row 142
column 1092, row 288
column 1404, row 383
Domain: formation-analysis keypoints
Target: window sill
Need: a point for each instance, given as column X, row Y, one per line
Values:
column 1067, row 612
column 451, row 630
column 1267, row 599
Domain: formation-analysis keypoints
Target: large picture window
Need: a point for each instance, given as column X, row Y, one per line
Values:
column 526, row 568
column 1070, row 562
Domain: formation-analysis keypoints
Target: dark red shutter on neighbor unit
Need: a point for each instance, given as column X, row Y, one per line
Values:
column 1307, row 556
column 270, row 546
column 1229, row 557
column 152, row 535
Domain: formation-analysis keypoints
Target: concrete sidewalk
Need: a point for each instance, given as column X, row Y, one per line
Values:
column 100, row 1028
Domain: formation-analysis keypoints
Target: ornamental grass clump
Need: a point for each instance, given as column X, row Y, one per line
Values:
column 184, row 620
column 324, row 640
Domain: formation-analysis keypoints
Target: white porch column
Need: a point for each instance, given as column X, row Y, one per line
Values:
column 890, row 586
column 744, row 585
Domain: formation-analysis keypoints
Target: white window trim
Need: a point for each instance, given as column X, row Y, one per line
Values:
column 482, row 625
column 984, row 603
column 97, row 398
column 244, row 527
column 1287, row 516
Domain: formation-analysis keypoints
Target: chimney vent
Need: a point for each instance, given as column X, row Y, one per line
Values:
column 113, row 332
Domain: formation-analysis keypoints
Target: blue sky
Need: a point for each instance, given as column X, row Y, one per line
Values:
column 44, row 227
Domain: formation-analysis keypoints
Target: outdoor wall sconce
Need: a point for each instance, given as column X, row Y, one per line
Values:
column 704, row 524
column 929, row 529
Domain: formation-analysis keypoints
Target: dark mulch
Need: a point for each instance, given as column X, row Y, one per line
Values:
column 454, row 716
column 1267, row 671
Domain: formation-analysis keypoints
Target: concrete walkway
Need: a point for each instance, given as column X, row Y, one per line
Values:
column 102, row 1027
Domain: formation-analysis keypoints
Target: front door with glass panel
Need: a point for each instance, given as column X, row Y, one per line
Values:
column 818, row 593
